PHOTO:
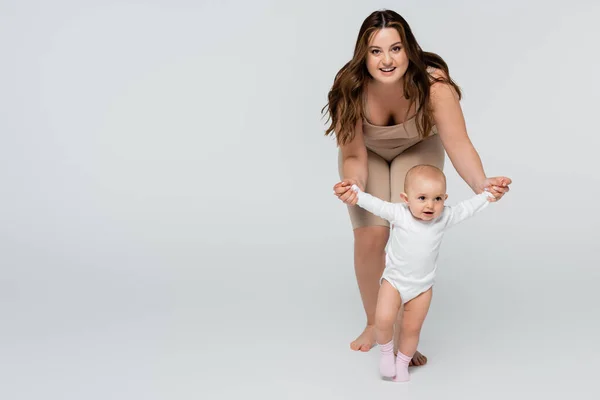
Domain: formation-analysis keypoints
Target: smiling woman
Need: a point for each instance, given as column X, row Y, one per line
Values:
column 388, row 61
column 394, row 106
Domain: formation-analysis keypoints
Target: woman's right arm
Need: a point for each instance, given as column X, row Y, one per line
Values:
column 354, row 166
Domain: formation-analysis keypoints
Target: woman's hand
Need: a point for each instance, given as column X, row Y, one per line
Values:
column 497, row 186
column 343, row 190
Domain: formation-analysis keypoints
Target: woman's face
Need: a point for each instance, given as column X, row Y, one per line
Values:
column 386, row 59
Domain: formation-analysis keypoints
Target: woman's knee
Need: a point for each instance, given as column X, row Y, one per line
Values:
column 370, row 240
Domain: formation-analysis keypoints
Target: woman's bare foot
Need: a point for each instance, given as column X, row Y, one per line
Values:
column 365, row 341
column 418, row 360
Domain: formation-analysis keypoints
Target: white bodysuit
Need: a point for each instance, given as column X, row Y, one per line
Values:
column 412, row 252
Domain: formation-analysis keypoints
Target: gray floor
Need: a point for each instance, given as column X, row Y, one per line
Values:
column 279, row 327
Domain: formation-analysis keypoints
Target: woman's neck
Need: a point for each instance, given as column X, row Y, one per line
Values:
column 387, row 88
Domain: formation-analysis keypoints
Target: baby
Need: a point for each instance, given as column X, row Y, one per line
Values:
column 417, row 229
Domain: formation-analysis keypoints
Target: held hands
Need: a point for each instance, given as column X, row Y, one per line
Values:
column 497, row 186
column 343, row 190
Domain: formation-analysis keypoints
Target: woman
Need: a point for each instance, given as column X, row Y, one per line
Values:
column 394, row 106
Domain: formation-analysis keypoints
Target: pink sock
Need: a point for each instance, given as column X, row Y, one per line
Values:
column 387, row 367
column 402, row 362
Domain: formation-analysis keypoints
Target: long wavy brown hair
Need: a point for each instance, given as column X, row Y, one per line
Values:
column 345, row 105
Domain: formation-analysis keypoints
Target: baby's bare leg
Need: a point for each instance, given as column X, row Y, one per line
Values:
column 413, row 317
column 388, row 304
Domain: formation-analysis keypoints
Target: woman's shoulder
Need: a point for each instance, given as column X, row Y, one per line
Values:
column 441, row 86
column 436, row 74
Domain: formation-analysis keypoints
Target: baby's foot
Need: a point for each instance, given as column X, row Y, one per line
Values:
column 402, row 374
column 365, row 341
column 387, row 363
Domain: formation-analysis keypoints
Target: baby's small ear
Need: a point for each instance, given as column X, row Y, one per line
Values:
column 446, row 198
column 404, row 197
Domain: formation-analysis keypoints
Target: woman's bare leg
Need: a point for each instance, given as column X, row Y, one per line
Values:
column 369, row 262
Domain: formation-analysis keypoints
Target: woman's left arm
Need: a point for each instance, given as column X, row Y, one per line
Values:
column 449, row 120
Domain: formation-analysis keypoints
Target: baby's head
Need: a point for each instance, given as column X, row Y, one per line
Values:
column 425, row 191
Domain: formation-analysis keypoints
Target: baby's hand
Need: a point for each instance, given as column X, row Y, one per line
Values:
column 490, row 196
column 344, row 192
column 498, row 186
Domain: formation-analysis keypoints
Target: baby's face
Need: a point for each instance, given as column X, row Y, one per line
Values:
column 426, row 197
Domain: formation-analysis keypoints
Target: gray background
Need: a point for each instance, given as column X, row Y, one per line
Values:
column 168, row 229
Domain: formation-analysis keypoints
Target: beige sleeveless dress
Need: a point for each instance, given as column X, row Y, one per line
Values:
column 392, row 151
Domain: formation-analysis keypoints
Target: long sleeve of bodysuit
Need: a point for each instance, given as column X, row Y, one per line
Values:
column 384, row 209
column 467, row 208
